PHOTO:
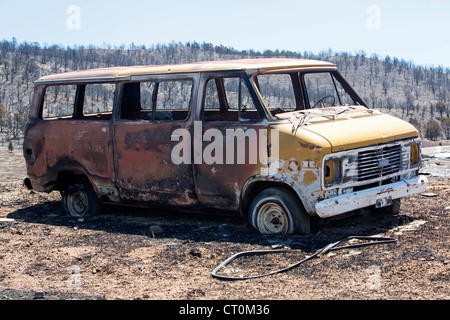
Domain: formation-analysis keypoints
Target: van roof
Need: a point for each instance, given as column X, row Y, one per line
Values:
column 123, row 73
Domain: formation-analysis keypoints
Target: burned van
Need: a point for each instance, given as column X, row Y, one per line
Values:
column 276, row 140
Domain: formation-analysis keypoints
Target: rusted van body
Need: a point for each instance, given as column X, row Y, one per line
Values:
column 277, row 140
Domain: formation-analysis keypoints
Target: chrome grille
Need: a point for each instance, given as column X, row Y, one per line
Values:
column 369, row 165
column 381, row 162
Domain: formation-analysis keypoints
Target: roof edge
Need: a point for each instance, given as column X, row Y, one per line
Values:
column 118, row 73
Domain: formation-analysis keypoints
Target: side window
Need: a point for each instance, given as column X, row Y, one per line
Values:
column 238, row 95
column 99, row 99
column 59, row 102
column 211, row 96
column 277, row 91
column 78, row 102
column 173, row 99
column 146, row 96
column 156, row 100
column 228, row 99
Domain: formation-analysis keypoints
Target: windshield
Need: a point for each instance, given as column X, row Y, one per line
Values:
column 294, row 91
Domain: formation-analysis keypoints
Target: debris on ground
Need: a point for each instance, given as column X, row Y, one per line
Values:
column 128, row 253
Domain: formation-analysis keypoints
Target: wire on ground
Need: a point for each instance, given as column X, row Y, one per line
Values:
column 369, row 241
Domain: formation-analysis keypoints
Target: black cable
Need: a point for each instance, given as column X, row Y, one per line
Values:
column 328, row 248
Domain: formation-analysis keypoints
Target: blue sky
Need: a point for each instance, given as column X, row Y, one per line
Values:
column 412, row 30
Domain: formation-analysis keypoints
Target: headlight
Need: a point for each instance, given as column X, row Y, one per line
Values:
column 414, row 159
column 333, row 171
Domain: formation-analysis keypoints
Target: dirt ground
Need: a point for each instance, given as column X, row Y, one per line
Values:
column 129, row 253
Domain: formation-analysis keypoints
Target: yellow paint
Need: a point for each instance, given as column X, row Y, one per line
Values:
column 359, row 131
column 322, row 136
column 309, row 177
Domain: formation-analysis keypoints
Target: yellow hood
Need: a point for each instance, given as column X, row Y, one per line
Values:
column 345, row 133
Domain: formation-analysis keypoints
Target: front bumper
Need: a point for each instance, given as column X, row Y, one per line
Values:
column 378, row 197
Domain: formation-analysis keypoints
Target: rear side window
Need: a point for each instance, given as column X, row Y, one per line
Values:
column 84, row 101
column 98, row 98
column 59, row 102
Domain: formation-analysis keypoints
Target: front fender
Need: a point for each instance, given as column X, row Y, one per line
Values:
column 309, row 194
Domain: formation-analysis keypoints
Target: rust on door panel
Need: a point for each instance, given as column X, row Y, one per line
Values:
column 144, row 168
column 219, row 184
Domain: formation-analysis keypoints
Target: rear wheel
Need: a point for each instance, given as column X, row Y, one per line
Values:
column 80, row 201
column 278, row 211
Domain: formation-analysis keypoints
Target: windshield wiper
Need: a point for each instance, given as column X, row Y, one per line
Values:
column 304, row 119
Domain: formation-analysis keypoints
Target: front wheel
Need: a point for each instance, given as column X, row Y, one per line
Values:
column 278, row 211
column 80, row 201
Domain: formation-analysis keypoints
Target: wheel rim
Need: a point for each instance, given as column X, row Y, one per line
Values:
column 272, row 219
column 77, row 203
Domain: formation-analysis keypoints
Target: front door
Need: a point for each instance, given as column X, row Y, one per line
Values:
column 232, row 139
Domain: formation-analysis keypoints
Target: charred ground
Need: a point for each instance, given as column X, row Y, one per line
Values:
column 129, row 253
